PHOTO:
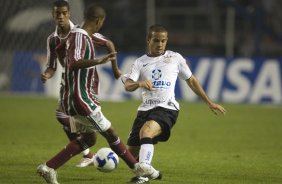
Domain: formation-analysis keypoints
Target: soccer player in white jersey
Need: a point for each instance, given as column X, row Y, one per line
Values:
column 82, row 104
column 56, row 53
column 155, row 73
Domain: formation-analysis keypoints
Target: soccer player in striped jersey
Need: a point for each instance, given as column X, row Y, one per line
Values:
column 81, row 103
column 56, row 53
column 155, row 73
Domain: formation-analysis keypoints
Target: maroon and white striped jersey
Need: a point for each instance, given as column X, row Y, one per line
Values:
column 81, row 85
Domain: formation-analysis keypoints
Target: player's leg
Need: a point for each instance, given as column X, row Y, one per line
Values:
column 159, row 122
column 88, row 157
column 134, row 150
column 149, row 130
column 119, row 147
column 70, row 150
column 103, row 125
column 64, row 120
column 48, row 169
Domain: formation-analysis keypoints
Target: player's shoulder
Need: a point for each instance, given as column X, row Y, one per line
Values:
column 98, row 35
column 142, row 59
column 78, row 30
column 175, row 56
column 170, row 53
column 51, row 36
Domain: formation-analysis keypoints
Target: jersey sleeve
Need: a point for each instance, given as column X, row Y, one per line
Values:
column 133, row 74
column 99, row 40
column 79, row 46
column 184, row 70
column 51, row 53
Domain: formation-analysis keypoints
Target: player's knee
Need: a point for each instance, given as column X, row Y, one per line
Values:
column 150, row 129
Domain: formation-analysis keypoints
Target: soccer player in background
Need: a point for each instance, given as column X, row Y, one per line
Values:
column 82, row 104
column 56, row 53
column 155, row 73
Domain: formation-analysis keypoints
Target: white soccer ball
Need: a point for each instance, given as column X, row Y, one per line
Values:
column 106, row 160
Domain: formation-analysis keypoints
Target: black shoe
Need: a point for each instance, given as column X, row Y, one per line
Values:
column 139, row 179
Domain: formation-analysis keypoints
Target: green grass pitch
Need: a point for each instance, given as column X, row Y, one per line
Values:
column 242, row 147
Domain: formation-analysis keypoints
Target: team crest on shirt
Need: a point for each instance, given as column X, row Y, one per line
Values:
column 157, row 74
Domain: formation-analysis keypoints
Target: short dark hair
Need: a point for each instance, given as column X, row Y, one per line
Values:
column 94, row 11
column 61, row 3
column 155, row 28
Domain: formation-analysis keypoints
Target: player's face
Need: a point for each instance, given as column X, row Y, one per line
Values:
column 61, row 16
column 157, row 43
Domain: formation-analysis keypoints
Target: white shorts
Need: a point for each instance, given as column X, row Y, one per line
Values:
column 96, row 121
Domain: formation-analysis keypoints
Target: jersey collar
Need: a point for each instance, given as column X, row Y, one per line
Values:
column 71, row 27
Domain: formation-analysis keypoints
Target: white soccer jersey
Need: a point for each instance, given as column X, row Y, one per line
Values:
column 163, row 72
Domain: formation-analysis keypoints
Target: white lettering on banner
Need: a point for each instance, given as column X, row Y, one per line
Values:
column 216, row 78
column 268, row 83
column 240, row 82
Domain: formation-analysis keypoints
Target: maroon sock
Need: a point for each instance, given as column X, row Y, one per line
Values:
column 72, row 149
column 119, row 148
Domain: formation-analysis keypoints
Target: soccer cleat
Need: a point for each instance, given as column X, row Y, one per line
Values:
column 139, row 179
column 156, row 176
column 84, row 162
column 49, row 174
column 143, row 169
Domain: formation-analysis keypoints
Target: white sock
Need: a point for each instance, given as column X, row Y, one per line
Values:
column 146, row 153
column 86, row 152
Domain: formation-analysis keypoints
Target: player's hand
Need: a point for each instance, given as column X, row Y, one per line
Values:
column 146, row 84
column 216, row 108
column 44, row 77
column 106, row 58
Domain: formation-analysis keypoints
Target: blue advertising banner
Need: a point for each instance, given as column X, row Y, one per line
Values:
column 25, row 73
column 230, row 80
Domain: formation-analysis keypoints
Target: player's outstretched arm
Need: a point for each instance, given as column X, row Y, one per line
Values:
column 195, row 85
column 85, row 63
column 111, row 48
column 131, row 85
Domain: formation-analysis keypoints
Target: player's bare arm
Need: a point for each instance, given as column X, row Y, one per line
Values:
column 85, row 63
column 111, row 48
column 131, row 85
column 195, row 85
column 47, row 74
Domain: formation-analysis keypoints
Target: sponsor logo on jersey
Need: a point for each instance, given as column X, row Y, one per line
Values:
column 158, row 83
column 145, row 64
column 152, row 102
column 157, row 74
